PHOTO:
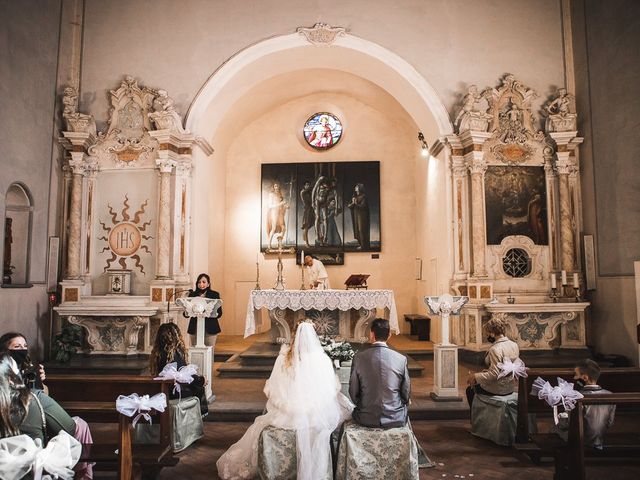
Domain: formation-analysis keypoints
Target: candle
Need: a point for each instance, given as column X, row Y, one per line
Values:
column 576, row 282
column 302, row 258
column 563, row 274
column 553, row 281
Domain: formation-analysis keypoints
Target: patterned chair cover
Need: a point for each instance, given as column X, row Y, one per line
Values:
column 392, row 453
column 494, row 418
column 277, row 455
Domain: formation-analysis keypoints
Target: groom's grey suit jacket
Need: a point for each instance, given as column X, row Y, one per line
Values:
column 380, row 387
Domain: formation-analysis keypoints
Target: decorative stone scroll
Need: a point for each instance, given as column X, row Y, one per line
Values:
column 321, row 33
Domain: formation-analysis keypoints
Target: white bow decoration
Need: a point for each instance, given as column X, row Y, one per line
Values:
column 515, row 369
column 21, row 454
column 184, row 375
column 133, row 404
column 562, row 394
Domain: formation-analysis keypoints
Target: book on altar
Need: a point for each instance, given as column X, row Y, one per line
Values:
column 357, row 280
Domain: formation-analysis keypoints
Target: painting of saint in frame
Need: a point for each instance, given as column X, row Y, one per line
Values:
column 516, row 203
column 279, row 205
column 362, row 207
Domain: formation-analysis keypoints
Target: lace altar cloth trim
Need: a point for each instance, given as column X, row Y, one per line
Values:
column 320, row 300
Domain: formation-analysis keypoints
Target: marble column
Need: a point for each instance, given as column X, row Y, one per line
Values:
column 460, row 192
column 166, row 166
column 477, row 167
column 552, row 210
column 75, row 216
column 564, row 168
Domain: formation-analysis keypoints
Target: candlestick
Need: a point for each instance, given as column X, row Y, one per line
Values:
column 577, row 294
column 257, row 287
column 563, row 275
column 554, row 294
column 576, row 281
column 554, row 285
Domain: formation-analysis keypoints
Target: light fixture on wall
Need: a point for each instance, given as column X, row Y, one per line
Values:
column 424, row 146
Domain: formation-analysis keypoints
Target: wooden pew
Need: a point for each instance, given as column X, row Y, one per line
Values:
column 571, row 457
column 93, row 398
column 613, row 379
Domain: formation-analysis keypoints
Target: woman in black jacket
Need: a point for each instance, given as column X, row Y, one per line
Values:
column 211, row 324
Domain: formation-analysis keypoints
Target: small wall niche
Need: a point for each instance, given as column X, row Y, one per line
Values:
column 17, row 236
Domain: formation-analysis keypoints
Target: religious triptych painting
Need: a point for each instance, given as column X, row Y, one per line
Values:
column 325, row 209
column 516, row 203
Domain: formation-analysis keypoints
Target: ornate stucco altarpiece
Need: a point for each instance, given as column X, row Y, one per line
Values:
column 516, row 197
column 126, row 217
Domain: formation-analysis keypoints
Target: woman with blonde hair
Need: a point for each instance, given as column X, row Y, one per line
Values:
column 303, row 394
column 489, row 381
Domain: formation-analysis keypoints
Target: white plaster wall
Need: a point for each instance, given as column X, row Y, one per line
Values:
column 28, row 59
column 178, row 45
column 376, row 128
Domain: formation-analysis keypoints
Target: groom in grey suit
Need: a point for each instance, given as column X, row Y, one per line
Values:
column 379, row 384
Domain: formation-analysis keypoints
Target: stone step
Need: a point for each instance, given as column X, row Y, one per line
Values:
column 237, row 367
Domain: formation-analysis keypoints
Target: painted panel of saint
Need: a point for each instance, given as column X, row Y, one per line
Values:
column 279, row 204
column 320, row 207
column 516, row 203
column 362, row 207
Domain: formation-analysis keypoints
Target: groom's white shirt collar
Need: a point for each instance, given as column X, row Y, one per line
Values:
column 384, row 344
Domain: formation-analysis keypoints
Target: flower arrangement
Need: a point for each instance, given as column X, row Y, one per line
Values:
column 337, row 351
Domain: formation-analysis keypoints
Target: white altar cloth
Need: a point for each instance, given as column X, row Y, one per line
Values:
column 343, row 300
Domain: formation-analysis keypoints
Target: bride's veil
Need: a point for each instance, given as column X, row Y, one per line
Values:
column 312, row 397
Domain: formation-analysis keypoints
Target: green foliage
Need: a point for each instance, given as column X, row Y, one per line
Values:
column 66, row 343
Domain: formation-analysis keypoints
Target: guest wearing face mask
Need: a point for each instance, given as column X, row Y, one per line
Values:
column 45, row 417
column 487, row 382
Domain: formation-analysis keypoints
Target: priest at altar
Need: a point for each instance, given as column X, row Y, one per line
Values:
column 315, row 275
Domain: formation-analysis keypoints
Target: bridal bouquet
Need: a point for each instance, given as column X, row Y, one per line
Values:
column 337, row 351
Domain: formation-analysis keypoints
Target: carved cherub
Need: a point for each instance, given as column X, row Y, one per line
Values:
column 562, row 116
column 76, row 121
column 165, row 115
column 470, row 116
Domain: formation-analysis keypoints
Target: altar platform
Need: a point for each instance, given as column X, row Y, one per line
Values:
column 255, row 356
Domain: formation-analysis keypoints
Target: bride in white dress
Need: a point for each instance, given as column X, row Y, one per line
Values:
column 303, row 394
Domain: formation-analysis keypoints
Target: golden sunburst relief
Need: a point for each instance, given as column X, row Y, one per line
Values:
column 124, row 237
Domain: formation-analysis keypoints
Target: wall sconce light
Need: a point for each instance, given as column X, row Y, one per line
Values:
column 424, row 146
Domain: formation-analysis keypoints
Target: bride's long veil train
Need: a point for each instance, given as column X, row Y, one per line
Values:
column 303, row 396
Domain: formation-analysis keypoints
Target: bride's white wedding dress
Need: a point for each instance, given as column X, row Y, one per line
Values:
column 303, row 396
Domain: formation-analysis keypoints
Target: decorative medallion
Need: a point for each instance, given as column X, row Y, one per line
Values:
column 124, row 238
column 322, row 130
column 321, row 33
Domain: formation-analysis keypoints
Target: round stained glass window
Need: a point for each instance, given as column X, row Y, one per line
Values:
column 322, row 130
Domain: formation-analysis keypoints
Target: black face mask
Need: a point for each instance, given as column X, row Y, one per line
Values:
column 491, row 339
column 579, row 384
column 20, row 356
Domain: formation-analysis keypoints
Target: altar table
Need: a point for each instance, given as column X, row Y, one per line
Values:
column 340, row 313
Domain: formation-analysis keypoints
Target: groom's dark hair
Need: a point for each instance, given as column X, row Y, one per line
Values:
column 380, row 328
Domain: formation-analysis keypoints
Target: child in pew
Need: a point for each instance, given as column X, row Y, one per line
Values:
column 597, row 418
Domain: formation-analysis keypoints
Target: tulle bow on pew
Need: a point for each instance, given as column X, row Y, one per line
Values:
column 134, row 404
column 562, row 394
column 184, row 375
column 20, row 455
column 515, row 369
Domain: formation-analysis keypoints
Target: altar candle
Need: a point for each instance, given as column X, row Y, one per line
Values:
column 553, row 281
column 302, row 258
column 576, row 283
column 563, row 274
